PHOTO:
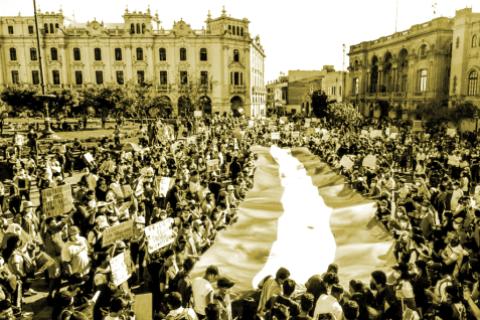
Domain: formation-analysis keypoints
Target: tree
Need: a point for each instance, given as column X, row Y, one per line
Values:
column 22, row 99
column 319, row 104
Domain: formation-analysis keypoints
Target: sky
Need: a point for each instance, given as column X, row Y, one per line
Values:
column 296, row 35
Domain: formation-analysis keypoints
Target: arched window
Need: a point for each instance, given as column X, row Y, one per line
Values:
column 132, row 28
column 183, row 54
column 51, row 28
column 143, row 28
column 54, row 54
column 162, row 53
column 474, row 41
column 423, row 51
column 422, row 83
column 472, row 83
column 13, row 54
column 203, row 54
column 236, row 55
column 139, row 54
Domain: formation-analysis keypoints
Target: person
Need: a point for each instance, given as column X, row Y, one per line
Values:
column 306, row 305
column 222, row 298
column 285, row 298
column 272, row 286
column 177, row 310
column 75, row 258
column 203, row 291
column 386, row 303
column 327, row 304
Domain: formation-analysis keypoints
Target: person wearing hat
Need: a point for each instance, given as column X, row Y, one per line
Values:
column 74, row 254
column 222, row 298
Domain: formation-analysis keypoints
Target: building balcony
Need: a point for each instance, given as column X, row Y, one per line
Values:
column 238, row 89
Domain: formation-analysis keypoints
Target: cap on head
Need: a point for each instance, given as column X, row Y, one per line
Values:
column 224, row 282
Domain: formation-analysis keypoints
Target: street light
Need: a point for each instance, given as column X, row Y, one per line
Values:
column 48, row 132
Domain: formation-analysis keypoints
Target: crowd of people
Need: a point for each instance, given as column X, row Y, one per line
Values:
column 426, row 186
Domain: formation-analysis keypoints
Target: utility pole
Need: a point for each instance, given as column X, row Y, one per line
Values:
column 48, row 132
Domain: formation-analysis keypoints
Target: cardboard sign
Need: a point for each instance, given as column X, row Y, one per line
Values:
column 295, row 134
column 57, row 201
column 346, row 162
column 162, row 185
column 120, row 231
column 275, row 136
column 451, row 132
column 212, row 165
column 143, row 306
column 417, row 126
column 159, row 235
column 119, row 269
column 370, row 161
column 197, row 113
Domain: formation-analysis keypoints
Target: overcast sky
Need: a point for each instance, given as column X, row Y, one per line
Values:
column 298, row 34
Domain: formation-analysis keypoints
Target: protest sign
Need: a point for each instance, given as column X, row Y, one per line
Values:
column 364, row 133
column 451, row 132
column 417, row 126
column 57, row 201
column 375, row 134
column 120, row 231
column 295, row 134
column 251, row 123
column 370, row 161
column 283, row 120
column 197, row 113
column 88, row 157
column 192, row 140
column 162, row 185
column 275, row 136
column 307, row 122
column 346, row 162
column 119, row 269
column 212, row 165
column 159, row 235
column 143, row 306
column 453, row 160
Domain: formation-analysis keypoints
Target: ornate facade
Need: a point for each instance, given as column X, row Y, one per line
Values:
column 221, row 64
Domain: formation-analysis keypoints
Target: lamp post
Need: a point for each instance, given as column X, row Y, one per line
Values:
column 48, row 132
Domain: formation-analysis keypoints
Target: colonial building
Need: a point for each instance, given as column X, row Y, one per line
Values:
column 292, row 93
column 437, row 61
column 402, row 70
column 219, row 68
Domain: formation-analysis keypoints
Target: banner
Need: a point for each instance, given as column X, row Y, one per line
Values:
column 120, row 231
column 57, row 201
column 370, row 161
column 212, row 165
column 162, row 185
column 275, row 136
column 346, row 162
column 159, row 235
column 119, row 269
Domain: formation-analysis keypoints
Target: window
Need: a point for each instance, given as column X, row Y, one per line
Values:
column 472, row 83
column 143, row 28
column 54, row 54
column 78, row 77
column 334, row 90
column 236, row 78
column 10, row 29
column 45, row 28
column 56, row 77
column 457, row 42
column 99, row 77
column 203, row 54
column 183, row 77
column 183, row 54
column 13, row 54
column 76, row 54
column 118, row 54
column 423, row 51
column 474, row 41
column 119, row 75
column 356, row 86
column 35, row 77
column 229, row 29
column 138, row 28
column 98, row 54
column 162, row 54
column 132, row 28
column 139, row 54
column 241, row 32
column 163, row 77
column 30, row 29
column 422, row 84
column 204, row 78
column 15, row 77
column 51, row 28
column 236, row 55
column 33, row 54
column 141, row 77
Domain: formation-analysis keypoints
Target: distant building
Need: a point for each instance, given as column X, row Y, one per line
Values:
column 292, row 92
column 221, row 64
